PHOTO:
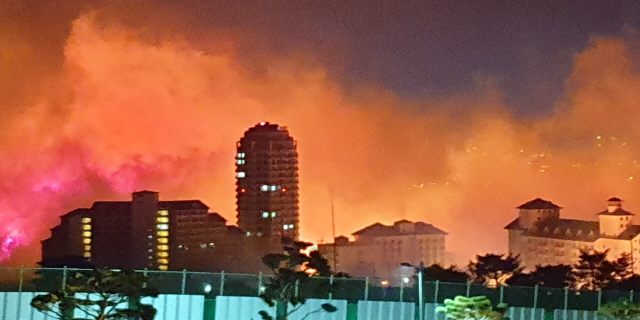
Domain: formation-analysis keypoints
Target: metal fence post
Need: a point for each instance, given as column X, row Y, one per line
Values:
column 366, row 288
column 259, row 283
column 64, row 277
column 599, row 298
column 435, row 292
column 536, row 291
column 501, row 293
column 330, row 287
column 631, row 296
column 565, row 313
column 21, row 278
column 222, row 283
column 296, row 288
column 468, row 288
column 146, row 277
column 401, row 290
column 184, row 281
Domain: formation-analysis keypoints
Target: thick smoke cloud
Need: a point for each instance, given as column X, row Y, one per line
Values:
column 119, row 103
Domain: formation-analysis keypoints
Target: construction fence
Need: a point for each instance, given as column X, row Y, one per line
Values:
column 211, row 285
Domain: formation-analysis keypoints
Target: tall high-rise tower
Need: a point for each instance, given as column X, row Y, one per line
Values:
column 267, row 182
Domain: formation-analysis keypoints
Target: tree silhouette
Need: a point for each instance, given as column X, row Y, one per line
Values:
column 291, row 269
column 450, row 274
column 493, row 270
column 100, row 295
column 50, row 276
column 593, row 271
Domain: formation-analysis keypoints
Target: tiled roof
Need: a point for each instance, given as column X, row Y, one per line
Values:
column 538, row 204
column 615, row 199
column 617, row 212
column 380, row 230
column 570, row 229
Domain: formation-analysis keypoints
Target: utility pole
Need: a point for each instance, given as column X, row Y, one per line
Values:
column 333, row 231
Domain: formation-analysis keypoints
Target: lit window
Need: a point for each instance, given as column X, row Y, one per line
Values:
column 264, row 187
column 163, row 233
column 203, row 245
column 240, row 162
column 163, row 247
column 163, row 240
column 241, row 175
column 211, row 244
column 273, row 188
column 248, row 233
column 163, row 219
column 286, row 227
column 241, row 155
column 179, row 246
column 150, row 236
column 265, row 214
column 87, row 255
column 163, row 261
column 273, row 214
column 87, row 248
column 163, row 226
column 291, row 226
column 86, row 241
column 163, row 267
column 86, row 220
column 86, row 234
column 86, row 227
column 163, row 212
column 163, row 254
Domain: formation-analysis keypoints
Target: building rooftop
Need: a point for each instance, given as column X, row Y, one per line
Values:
column 570, row 229
column 538, row 204
column 380, row 230
column 616, row 212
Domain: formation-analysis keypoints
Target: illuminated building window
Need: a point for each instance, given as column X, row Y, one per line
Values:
column 163, row 261
column 163, row 247
column 86, row 220
column 211, row 244
column 86, row 234
column 87, row 248
column 248, row 233
column 273, row 214
column 163, row 240
column 87, row 255
column 273, row 188
column 241, row 155
column 163, row 267
column 86, row 241
column 203, row 245
column 163, row 254
column 240, row 162
column 265, row 214
column 163, row 226
column 86, row 227
column 264, row 187
column 163, row 219
column 241, row 175
column 163, row 233
column 286, row 227
column 163, row 212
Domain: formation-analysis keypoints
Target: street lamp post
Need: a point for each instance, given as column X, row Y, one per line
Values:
column 420, row 270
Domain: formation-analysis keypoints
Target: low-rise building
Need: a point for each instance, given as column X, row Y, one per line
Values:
column 378, row 250
column 541, row 237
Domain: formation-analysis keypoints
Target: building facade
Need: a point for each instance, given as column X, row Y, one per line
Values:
column 267, row 182
column 541, row 237
column 142, row 233
column 378, row 250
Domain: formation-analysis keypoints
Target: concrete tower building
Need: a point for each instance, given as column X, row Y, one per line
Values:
column 267, row 182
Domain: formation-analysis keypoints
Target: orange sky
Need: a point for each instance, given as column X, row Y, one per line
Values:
column 127, row 109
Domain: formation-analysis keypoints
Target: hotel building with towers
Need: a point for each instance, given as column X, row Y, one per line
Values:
column 541, row 237
column 267, row 182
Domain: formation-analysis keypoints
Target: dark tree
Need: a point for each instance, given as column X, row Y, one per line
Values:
column 493, row 270
column 593, row 271
column 623, row 266
column 628, row 284
column 523, row 280
column 291, row 269
column 553, row 276
column 100, row 295
column 50, row 276
column 451, row 274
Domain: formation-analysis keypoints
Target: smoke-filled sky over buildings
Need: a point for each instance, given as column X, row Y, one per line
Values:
column 448, row 112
